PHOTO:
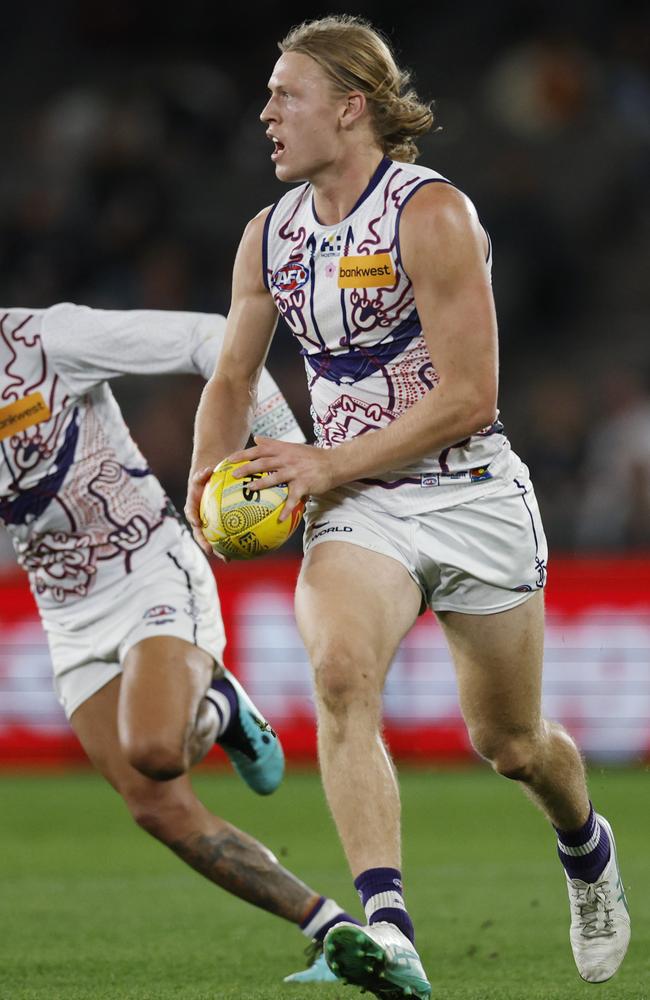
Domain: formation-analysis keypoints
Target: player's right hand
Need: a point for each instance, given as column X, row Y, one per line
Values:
column 195, row 486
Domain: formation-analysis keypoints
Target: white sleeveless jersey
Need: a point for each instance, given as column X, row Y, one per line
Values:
column 344, row 294
column 76, row 495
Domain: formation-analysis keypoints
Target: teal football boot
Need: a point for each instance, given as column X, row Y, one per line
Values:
column 317, row 972
column 252, row 745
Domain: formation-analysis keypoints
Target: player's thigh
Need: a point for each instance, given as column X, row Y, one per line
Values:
column 355, row 604
column 164, row 679
column 498, row 661
column 95, row 724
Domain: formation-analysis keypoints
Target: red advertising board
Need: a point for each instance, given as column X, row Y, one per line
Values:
column 597, row 666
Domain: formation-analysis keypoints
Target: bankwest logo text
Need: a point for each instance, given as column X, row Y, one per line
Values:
column 22, row 414
column 374, row 271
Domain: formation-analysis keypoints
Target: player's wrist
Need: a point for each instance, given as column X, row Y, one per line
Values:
column 337, row 466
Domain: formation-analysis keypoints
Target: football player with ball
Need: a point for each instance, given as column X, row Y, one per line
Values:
column 381, row 269
column 126, row 597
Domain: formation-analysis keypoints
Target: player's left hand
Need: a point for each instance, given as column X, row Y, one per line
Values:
column 305, row 469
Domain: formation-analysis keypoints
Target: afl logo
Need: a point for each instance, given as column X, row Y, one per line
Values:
column 290, row 276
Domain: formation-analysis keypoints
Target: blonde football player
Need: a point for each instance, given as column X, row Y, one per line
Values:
column 381, row 269
column 126, row 597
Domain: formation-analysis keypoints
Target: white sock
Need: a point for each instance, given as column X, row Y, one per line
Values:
column 222, row 707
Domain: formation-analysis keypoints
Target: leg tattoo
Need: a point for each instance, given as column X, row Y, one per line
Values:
column 241, row 865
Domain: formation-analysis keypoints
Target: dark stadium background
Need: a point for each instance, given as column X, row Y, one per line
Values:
column 133, row 156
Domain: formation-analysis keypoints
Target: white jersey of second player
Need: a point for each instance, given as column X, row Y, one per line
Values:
column 344, row 294
column 76, row 495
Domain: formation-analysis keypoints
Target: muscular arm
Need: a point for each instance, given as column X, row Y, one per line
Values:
column 225, row 413
column 443, row 252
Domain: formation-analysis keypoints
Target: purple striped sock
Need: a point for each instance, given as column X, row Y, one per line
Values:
column 584, row 852
column 219, row 689
column 323, row 915
column 380, row 891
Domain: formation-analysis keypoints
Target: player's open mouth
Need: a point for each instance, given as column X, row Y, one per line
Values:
column 278, row 149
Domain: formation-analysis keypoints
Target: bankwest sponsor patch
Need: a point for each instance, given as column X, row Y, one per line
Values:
column 373, row 271
column 22, row 414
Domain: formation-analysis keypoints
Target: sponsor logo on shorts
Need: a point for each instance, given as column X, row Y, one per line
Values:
column 334, row 528
column 442, row 478
column 160, row 614
column 23, row 413
column 290, row 276
column 370, row 271
column 477, row 475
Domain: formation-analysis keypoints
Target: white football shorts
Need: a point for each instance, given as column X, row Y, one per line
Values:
column 479, row 557
column 174, row 593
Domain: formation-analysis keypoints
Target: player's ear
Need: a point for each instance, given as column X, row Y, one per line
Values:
column 353, row 107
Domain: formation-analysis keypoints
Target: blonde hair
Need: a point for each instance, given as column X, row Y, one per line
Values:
column 354, row 56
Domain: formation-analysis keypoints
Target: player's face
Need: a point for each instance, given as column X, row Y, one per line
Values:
column 302, row 118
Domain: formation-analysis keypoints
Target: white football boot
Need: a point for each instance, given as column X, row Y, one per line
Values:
column 378, row 958
column 600, row 921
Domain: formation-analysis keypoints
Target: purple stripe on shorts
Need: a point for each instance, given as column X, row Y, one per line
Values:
column 414, row 481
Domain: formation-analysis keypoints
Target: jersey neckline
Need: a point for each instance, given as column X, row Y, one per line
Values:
column 381, row 169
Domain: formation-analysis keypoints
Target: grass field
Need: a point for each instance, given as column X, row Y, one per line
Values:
column 90, row 907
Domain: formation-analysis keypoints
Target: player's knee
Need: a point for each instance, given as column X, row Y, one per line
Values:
column 156, row 759
column 512, row 755
column 341, row 680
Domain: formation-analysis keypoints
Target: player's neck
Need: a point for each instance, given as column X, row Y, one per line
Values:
column 339, row 187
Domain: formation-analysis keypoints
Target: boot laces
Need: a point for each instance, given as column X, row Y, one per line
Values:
column 593, row 900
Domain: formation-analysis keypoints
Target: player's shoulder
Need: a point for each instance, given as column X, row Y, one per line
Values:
column 441, row 205
column 259, row 229
column 258, row 221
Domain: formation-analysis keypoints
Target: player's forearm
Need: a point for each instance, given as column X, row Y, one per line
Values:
column 223, row 420
column 438, row 421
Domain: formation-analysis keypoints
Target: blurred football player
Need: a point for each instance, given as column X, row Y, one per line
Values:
column 381, row 269
column 127, row 599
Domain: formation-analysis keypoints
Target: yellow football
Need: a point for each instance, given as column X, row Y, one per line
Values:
column 239, row 517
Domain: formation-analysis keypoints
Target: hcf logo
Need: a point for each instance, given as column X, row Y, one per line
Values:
column 290, row 276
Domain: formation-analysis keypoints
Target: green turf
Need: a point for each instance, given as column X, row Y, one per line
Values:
column 90, row 907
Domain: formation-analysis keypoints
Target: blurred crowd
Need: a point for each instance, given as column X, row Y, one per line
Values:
column 133, row 157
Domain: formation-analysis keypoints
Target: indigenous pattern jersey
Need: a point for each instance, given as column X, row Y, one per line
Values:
column 345, row 296
column 76, row 495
